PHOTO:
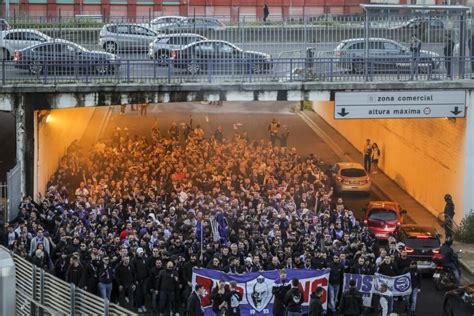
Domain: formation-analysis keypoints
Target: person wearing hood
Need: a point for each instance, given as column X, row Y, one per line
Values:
column 294, row 299
column 315, row 304
column 351, row 301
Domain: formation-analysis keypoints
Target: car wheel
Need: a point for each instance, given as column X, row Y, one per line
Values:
column 110, row 47
column 162, row 57
column 103, row 68
column 193, row 68
column 4, row 54
column 35, row 67
column 358, row 67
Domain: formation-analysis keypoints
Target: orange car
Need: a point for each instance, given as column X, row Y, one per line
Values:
column 383, row 218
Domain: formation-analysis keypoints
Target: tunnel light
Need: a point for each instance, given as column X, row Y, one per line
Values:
column 49, row 118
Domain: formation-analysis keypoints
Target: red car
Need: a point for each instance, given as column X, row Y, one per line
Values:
column 383, row 218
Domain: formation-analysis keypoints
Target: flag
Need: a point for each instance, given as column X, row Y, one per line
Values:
column 199, row 231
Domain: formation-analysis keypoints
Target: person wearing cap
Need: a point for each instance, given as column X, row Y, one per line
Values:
column 279, row 290
column 315, row 304
column 351, row 301
column 142, row 273
column 194, row 305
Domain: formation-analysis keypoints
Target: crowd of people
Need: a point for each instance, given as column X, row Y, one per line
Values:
column 129, row 218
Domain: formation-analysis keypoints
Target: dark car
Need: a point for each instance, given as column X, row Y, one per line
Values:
column 220, row 57
column 4, row 25
column 65, row 56
column 421, row 244
column 459, row 302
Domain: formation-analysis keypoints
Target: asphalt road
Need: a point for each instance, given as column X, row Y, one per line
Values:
column 253, row 118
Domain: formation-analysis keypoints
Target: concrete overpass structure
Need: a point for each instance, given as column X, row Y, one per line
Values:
column 426, row 157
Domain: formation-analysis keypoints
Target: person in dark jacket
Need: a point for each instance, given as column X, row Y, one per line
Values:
column 294, row 299
column 387, row 267
column 415, row 287
column 153, row 280
column 166, row 286
column 279, row 289
column 61, row 265
column 315, row 304
column 142, row 273
column 194, row 306
column 450, row 259
column 448, row 55
column 125, row 277
column 91, row 275
column 106, row 275
column 351, row 301
column 219, row 297
column 233, row 300
column 335, row 280
column 402, row 262
column 448, row 215
column 74, row 272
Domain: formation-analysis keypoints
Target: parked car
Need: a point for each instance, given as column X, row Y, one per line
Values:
column 350, row 177
column 161, row 48
column 125, row 37
column 459, row 302
column 16, row 39
column 421, row 244
column 4, row 25
column 383, row 218
column 163, row 22
column 421, row 23
column 384, row 55
column 61, row 55
column 222, row 56
column 192, row 24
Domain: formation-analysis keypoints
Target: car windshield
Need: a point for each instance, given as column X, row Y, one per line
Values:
column 382, row 215
column 353, row 173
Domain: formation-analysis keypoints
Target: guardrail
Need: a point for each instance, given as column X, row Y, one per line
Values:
column 324, row 69
column 40, row 293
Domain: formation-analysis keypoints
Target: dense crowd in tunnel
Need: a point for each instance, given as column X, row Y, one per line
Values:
column 129, row 218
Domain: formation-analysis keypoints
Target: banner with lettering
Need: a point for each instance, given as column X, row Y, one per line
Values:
column 256, row 287
column 370, row 284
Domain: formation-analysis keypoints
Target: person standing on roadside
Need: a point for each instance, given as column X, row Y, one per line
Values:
column 375, row 157
column 266, row 13
column 351, row 301
column 448, row 55
column 273, row 127
column 448, row 215
column 415, row 48
column 367, row 155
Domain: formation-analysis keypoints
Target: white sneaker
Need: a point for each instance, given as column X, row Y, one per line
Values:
column 144, row 309
column 140, row 310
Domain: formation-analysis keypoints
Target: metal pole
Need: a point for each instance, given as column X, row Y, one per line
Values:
column 7, row 9
column 366, row 48
column 462, row 45
column 202, row 245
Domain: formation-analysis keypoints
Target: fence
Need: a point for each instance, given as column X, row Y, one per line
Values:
column 144, row 46
column 40, row 293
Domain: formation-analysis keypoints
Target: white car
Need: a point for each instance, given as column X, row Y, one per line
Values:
column 17, row 39
column 163, row 22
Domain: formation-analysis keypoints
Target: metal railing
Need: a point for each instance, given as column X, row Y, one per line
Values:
column 40, row 293
column 286, row 38
column 324, row 69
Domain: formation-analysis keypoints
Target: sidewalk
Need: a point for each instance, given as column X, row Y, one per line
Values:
column 416, row 212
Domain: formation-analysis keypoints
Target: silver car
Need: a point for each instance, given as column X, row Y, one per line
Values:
column 162, row 46
column 384, row 55
column 125, row 37
column 17, row 39
column 350, row 177
column 163, row 22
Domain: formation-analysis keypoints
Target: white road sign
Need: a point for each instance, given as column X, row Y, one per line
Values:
column 400, row 104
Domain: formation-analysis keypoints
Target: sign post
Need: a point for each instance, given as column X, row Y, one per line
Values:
column 400, row 104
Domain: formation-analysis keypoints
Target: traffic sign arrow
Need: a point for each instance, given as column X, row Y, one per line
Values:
column 456, row 110
column 343, row 112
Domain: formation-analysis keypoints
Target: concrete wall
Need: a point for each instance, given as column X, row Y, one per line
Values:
column 53, row 137
column 424, row 156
